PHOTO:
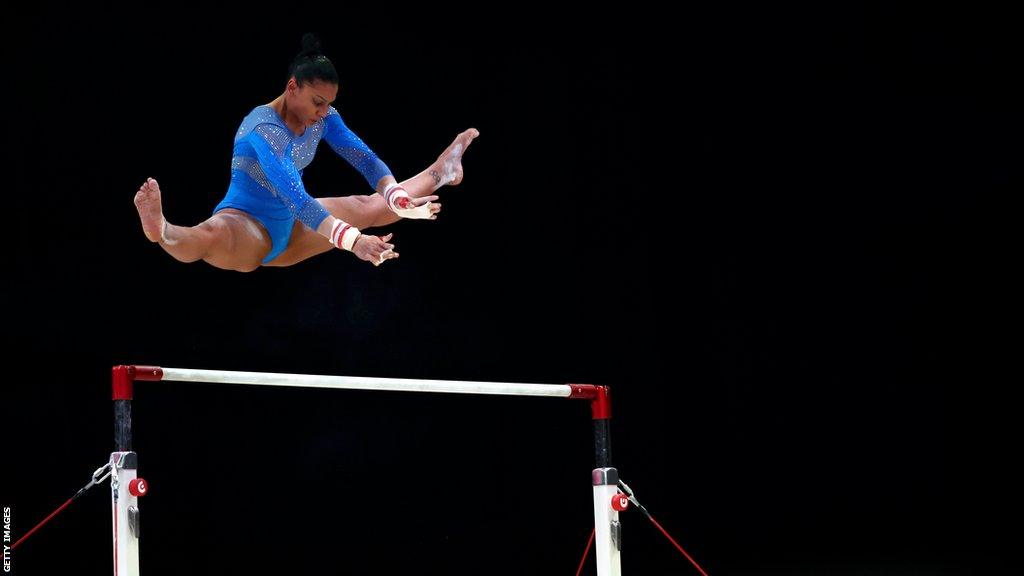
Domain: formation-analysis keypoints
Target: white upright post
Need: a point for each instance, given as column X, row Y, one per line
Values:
column 125, row 490
column 607, row 530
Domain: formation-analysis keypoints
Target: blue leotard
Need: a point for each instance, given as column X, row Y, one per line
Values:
column 266, row 171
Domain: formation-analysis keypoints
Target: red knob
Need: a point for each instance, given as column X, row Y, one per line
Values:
column 138, row 487
column 620, row 502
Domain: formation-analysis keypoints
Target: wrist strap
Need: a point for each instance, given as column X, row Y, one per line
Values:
column 395, row 196
column 343, row 234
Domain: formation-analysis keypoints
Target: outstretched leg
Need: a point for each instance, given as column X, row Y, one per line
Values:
column 370, row 211
column 229, row 239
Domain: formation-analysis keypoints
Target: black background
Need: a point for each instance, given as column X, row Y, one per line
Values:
column 766, row 228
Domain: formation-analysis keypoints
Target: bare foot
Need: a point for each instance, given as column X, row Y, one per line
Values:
column 448, row 167
column 147, row 200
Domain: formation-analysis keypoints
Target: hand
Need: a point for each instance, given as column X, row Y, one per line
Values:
column 399, row 201
column 425, row 208
column 374, row 249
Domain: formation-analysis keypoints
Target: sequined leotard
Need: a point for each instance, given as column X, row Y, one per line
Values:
column 266, row 171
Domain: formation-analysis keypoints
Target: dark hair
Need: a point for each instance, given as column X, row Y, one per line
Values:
column 311, row 64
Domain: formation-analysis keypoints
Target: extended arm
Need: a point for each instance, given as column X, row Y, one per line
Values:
column 272, row 146
column 349, row 146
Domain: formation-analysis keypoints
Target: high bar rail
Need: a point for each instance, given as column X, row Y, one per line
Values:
column 124, row 376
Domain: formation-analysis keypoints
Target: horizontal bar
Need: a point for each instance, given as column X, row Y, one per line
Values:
column 360, row 383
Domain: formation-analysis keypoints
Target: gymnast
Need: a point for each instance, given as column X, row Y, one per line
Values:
column 267, row 217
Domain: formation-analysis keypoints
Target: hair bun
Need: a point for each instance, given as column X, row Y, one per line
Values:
column 311, row 64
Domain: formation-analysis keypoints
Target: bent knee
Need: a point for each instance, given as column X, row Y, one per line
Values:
column 222, row 236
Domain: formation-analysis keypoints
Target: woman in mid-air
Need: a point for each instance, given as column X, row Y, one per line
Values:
column 267, row 218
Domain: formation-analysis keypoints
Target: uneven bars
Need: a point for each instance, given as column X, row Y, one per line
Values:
column 125, row 500
column 124, row 376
